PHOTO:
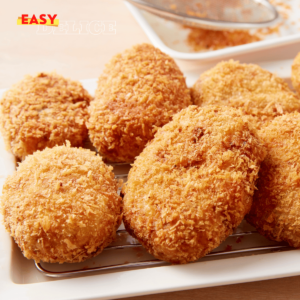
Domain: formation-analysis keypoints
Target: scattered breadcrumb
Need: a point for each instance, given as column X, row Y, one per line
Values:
column 43, row 111
column 207, row 39
column 139, row 90
column 280, row 5
column 260, row 95
column 61, row 205
column 276, row 205
column 193, row 184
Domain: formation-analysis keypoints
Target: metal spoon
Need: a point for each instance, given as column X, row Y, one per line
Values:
column 213, row 14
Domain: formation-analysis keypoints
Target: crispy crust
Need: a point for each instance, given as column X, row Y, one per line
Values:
column 276, row 204
column 43, row 111
column 193, row 184
column 296, row 73
column 261, row 95
column 61, row 205
column 139, row 90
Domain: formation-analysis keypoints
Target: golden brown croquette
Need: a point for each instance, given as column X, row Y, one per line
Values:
column 43, row 111
column 296, row 73
column 261, row 95
column 61, row 205
column 276, row 204
column 193, row 184
column 139, row 90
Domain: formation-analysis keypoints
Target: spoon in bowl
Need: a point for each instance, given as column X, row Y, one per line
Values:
column 213, row 14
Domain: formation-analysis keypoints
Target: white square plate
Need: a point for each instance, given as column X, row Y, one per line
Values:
column 170, row 37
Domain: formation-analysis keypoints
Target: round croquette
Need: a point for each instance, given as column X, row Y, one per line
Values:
column 296, row 73
column 275, row 212
column 193, row 184
column 260, row 95
column 61, row 205
column 139, row 90
column 43, row 111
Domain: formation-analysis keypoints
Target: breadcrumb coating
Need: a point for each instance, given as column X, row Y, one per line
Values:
column 276, row 204
column 260, row 95
column 296, row 73
column 139, row 90
column 193, row 184
column 61, row 205
column 43, row 111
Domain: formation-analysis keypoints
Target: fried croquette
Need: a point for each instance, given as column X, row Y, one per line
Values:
column 61, row 205
column 275, row 212
column 43, row 111
column 260, row 95
column 193, row 184
column 296, row 73
column 139, row 90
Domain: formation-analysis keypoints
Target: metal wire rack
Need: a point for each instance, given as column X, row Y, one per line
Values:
column 153, row 262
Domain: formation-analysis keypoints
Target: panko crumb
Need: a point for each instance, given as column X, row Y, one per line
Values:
column 260, row 95
column 61, row 205
column 193, row 183
column 275, row 212
column 200, row 39
column 43, row 111
column 296, row 73
column 139, row 91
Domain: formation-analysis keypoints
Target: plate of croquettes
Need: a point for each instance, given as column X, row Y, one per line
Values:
column 149, row 180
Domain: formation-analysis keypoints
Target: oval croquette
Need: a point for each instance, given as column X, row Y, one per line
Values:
column 260, row 95
column 275, row 212
column 43, row 111
column 61, row 205
column 193, row 184
column 139, row 90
